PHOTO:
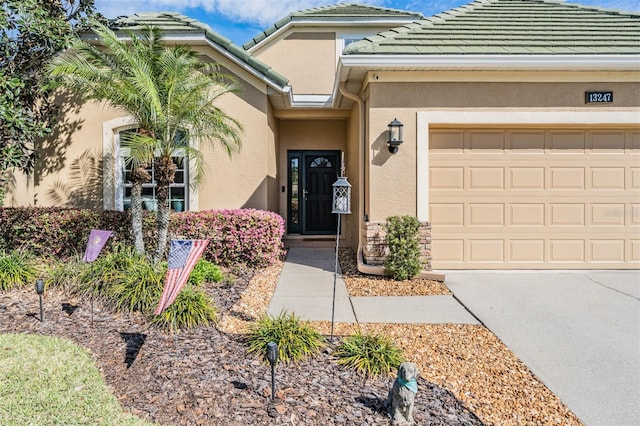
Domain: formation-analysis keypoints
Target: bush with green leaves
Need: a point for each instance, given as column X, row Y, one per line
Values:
column 138, row 289
column 296, row 339
column 66, row 275
column 369, row 355
column 17, row 269
column 403, row 240
column 102, row 275
column 205, row 271
column 191, row 308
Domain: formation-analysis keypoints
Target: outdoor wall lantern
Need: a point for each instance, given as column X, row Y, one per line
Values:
column 272, row 356
column 395, row 135
column 40, row 291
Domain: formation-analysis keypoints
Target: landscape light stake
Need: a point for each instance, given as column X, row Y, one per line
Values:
column 40, row 291
column 341, row 205
column 272, row 356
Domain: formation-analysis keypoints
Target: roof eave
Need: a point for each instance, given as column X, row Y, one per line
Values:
column 629, row 62
column 277, row 33
column 202, row 37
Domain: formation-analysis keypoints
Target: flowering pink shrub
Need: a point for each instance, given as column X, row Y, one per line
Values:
column 248, row 236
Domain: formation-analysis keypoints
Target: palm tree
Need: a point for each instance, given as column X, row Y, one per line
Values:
column 170, row 92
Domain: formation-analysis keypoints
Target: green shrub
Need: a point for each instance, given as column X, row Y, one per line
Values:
column 138, row 288
column 17, row 269
column 191, row 308
column 369, row 355
column 205, row 271
column 403, row 261
column 66, row 275
column 296, row 340
column 102, row 275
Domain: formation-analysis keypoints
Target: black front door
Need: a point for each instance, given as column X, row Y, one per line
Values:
column 310, row 196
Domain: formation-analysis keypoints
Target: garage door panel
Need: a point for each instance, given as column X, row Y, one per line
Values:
column 526, row 214
column 607, row 251
column 607, row 142
column 526, row 178
column 486, row 142
column 486, row 178
column 633, row 215
column 566, row 214
column 486, row 214
column 486, row 251
column 526, row 251
column 450, row 251
column 563, row 178
column 567, row 251
column 534, row 207
column 448, row 214
column 634, row 178
column 607, row 178
column 526, row 142
column 447, row 178
column 565, row 142
column 634, row 251
column 607, row 214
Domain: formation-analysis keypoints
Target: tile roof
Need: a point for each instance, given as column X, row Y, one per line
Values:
column 349, row 12
column 511, row 27
column 174, row 23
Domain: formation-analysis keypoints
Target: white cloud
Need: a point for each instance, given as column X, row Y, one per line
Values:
column 262, row 12
column 266, row 12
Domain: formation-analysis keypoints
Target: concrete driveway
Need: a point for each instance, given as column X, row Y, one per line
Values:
column 578, row 331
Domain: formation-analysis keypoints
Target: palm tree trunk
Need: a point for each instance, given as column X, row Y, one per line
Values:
column 165, row 172
column 136, row 217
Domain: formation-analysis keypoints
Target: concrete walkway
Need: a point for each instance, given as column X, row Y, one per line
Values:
column 578, row 331
column 306, row 289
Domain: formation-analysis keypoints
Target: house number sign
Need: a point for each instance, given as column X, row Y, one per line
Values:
column 598, row 97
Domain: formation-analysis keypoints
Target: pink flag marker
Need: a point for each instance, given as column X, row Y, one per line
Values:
column 97, row 239
column 183, row 256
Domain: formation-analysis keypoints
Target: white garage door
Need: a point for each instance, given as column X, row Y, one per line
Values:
column 534, row 198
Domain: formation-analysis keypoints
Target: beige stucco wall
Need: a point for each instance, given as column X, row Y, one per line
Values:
column 307, row 59
column 245, row 179
column 70, row 170
column 392, row 178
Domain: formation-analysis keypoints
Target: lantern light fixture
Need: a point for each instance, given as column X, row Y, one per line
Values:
column 395, row 135
column 341, row 196
column 40, row 291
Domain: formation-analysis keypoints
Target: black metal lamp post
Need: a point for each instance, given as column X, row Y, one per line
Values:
column 341, row 205
column 272, row 356
column 395, row 135
column 40, row 291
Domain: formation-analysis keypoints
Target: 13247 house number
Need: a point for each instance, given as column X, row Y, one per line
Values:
column 598, row 97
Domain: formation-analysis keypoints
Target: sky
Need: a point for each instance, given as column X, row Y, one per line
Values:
column 241, row 20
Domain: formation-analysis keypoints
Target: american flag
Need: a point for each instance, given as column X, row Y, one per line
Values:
column 183, row 256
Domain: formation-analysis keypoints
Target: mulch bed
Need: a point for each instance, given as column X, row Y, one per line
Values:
column 211, row 380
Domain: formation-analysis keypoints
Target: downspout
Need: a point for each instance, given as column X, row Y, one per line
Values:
column 362, row 267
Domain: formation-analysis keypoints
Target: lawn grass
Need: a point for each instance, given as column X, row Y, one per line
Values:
column 51, row 381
